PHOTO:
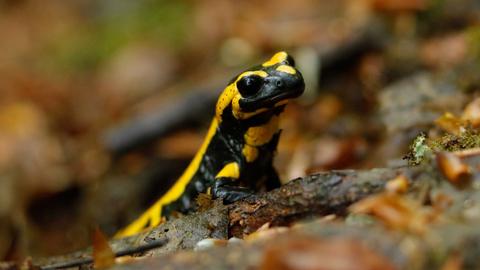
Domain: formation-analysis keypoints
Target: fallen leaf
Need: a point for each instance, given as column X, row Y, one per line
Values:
column 471, row 113
column 395, row 211
column 305, row 252
column 441, row 202
column 398, row 184
column 450, row 123
column 265, row 231
column 453, row 168
column 103, row 255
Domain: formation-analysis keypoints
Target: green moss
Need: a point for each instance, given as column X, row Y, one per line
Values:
column 469, row 138
column 418, row 150
column 422, row 147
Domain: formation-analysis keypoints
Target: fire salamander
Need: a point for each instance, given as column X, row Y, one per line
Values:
column 236, row 157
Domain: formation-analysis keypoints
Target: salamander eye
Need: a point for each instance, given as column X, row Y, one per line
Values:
column 249, row 85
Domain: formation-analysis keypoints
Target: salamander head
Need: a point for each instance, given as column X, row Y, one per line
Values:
column 262, row 88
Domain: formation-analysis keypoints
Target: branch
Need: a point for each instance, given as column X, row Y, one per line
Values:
column 89, row 260
column 317, row 194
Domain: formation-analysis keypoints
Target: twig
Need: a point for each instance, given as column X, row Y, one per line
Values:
column 126, row 251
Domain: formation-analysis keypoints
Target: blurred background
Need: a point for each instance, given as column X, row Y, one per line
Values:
column 103, row 103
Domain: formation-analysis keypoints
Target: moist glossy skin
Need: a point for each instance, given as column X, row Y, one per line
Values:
column 236, row 156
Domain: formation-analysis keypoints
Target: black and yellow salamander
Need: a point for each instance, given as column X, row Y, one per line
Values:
column 236, row 157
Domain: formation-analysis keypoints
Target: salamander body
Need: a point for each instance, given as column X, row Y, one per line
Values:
column 236, row 156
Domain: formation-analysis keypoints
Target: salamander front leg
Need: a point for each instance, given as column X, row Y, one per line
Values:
column 225, row 188
column 273, row 181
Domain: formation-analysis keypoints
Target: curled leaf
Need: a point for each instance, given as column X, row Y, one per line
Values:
column 306, row 252
column 265, row 231
column 453, row 168
column 103, row 255
column 471, row 113
column 395, row 211
column 450, row 123
column 398, row 184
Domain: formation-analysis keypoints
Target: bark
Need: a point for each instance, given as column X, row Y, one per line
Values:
column 328, row 246
column 317, row 194
column 448, row 235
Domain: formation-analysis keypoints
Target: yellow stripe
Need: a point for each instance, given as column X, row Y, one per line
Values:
column 224, row 100
column 152, row 217
column 177, row 190
column 153, row 214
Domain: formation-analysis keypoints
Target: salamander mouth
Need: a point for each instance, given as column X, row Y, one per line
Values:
column 271, row 101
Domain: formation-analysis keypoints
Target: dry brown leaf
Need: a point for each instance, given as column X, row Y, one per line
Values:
column 265, row 231
column 441, row 202
column 471, row 113
column 450, row 123
column 395, row 211
column 398, row 184
column 103, row 255
column 453, row 168
column 304, row 252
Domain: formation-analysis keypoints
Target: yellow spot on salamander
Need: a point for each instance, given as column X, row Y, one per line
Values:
column 287, row 69
column 250, row 153
column 260, row 135
column 277, row 58
column 231, row 170
column 152, row 217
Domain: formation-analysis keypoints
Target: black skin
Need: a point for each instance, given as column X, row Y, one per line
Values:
column 228, row 141
column 250, row 101
column 225, row 147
